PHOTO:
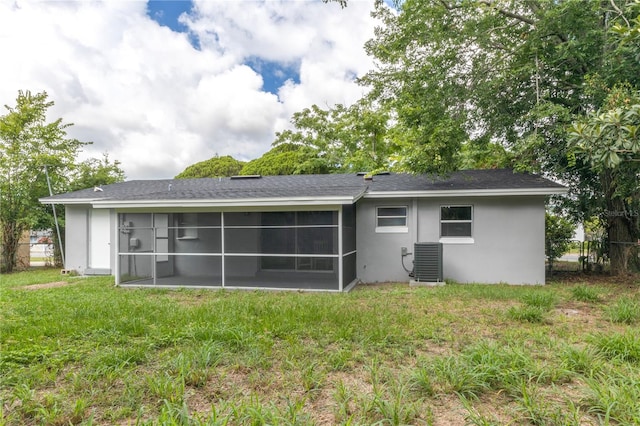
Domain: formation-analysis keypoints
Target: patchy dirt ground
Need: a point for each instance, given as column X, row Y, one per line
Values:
column 44, row 285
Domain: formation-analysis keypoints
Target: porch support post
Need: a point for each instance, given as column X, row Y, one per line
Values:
column 222, row 269
column 340, row 263
column 116, row 239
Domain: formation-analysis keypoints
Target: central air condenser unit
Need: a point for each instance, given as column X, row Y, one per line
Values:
column 427, row 262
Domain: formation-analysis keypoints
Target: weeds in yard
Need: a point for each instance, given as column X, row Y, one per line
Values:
column 532, row 314
column 474, row 417
column 534, row 307
column 166, row 388
column 625, row 311
column 585, row 294
column 313, row 377
column 584, row 361
column 619, row 347
column 343, row 398
column 614, row 397
column 543, row 300
column 396, row 408
column 536, row 408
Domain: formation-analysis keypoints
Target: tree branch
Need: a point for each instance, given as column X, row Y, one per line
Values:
column 506, row 13
column 620, row 13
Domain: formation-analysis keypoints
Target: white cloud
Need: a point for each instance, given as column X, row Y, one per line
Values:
column 141, row 92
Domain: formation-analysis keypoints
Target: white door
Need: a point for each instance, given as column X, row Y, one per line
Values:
column 99, row 248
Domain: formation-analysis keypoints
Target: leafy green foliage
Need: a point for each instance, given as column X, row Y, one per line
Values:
column 214, row 167
column 28, row 143
column 557, row 237
column 286, row 159
column 465, row 80
column 609, row 141
column 611, row 136
column 95, row 172
column 343, row 139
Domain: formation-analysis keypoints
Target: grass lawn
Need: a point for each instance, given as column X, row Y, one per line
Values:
column 80, row 351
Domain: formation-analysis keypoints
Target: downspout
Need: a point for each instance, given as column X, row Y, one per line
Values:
column 55, row 218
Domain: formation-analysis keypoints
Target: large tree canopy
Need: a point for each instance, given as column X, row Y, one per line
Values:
column 485, row 83
column 471, row 76
column 216, row 166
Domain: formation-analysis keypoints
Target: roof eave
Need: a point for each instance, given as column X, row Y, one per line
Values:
column 247, row 202
column 467, row 193
column 48, row 200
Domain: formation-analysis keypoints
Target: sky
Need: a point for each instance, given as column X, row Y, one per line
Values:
column 161, row 85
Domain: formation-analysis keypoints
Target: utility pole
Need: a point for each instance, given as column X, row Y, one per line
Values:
column 55, row 218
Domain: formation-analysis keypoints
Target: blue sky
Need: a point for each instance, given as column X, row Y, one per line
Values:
column 274, row 74
column 161, row 85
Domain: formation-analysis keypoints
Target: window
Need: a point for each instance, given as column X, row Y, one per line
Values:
column 187, row 224
column 391, row 219
column 455, row 221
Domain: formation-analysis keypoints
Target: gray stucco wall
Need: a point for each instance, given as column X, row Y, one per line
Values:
column 508, row 240
column 379, row 257
column 76, row 237
column 78, row 240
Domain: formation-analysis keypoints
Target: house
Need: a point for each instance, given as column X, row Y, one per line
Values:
column 311, row 232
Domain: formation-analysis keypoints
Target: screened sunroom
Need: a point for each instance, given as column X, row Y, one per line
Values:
column 296, row 249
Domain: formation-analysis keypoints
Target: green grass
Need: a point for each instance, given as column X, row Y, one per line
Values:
column 625, row 311
column 586, row 294
column 91, row 353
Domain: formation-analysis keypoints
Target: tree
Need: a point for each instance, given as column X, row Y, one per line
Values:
column 28, row 143
column 341, row 139
column 214, row 167
column 95, row 172
column 286, row 159
column 557, row 237
column 513, row 74
column 609, row 141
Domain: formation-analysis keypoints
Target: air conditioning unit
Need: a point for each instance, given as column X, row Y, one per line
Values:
column 427, row 262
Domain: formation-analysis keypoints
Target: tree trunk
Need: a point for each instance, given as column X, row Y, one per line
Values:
column 622, row 238
column 10, row 234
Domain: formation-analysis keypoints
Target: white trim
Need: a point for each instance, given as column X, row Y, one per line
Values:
column 305, row 201
column 456, row 240
column 466, row 193
column 392, row 229
column 350, row 253
column 245, row 202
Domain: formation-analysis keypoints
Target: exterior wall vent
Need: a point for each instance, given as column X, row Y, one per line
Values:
column 239, row 177
column 427, row 262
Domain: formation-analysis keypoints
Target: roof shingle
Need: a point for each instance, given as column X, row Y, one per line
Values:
column 304, row 186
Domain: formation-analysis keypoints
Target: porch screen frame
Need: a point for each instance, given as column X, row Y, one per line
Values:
column 124, row 230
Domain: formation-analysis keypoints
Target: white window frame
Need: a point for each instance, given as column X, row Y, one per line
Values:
column 187, row 226
column 399, row 229
column 467, row 239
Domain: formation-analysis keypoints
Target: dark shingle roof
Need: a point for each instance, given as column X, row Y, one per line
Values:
column 304, row 186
